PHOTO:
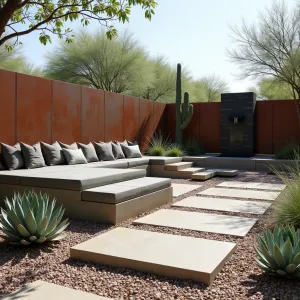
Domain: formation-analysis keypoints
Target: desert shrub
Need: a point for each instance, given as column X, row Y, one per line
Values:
column 193, row 147
column 175, row 150
column 31, row 218
column 158, row 144
column 287, row 206
column 289, row 149
column 279, row 252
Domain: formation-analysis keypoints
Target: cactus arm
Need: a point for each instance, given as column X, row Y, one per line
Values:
column 185, row 106
column 188, row 118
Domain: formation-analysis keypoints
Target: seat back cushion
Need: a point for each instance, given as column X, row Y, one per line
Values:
column 2, row 164
column 132, row 143
column 53, row 154
column 13, row 156
column 132, row 151
column 104, row 151
column 66, row 146
column 89, row 152
column 33, row 156
column 74, row 156
column 117, row 150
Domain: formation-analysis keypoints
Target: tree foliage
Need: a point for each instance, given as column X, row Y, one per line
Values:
column 49, row 17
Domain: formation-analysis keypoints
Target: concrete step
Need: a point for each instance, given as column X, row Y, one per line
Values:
column 157, row 253
column 203, row 175
column 178, row 166
column 188, row 172
column 224, row 172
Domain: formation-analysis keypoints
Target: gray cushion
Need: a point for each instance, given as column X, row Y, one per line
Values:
column 104, row 151
column 66, row 146
column 2, row 164
column 12, row 156
column 132, row 151
column 132, row 143
column 53, row 154
column 74, row 157
column 89, row 152
column 117, row 150
column 33, row 156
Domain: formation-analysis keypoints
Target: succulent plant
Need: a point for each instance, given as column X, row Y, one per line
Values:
column 279, row 252
column 31, row 218
column 184, row 113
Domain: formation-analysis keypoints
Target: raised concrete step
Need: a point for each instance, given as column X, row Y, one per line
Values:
column 224, row 172
column 180, row 189
column 203, row 175
column 246, row 207
column 188, row 172
column 238, row 193
column 178, row 166
column 238, row 226
column 163, row 254
column 48, row 291
column 253, row 185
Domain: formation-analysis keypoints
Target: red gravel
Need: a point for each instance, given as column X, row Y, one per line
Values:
column 239, row 279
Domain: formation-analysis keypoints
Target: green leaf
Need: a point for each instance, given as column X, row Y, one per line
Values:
column 60, row 228
column 296, row 260
column 279, row 258
column 42, row 227
column 57, row 237
column 52, row 225
column 291, row 268
column 23, row 231
column 287, row 251
column 25, row 243
column 30, row 222
column 41, row 240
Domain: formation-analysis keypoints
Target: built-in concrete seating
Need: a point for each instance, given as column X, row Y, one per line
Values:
column 77, row 186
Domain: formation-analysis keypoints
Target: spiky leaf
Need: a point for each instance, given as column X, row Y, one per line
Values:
column 23, row 231
column 30, row 222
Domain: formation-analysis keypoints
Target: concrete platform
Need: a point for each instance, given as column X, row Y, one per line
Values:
column 180, row 189
column 178, row 166
column 203, row 175
column 253, row 185
column 163, row 254
column 48, row 291
column 247, row 207
column 238, row 193
column 214, row 223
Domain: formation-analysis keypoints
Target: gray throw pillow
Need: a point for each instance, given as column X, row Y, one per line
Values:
column 132, row 143
column 104, row 151
column 117, row 150
column 33, row 156
column 12, row 156
column 132, row 151
column 70, row 147
column 74, row 156
column 2, row 164
column 53, row 154
column 89, row 152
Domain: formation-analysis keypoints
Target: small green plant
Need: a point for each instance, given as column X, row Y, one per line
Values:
column 158, row 144
column 193, row 147
column 175, row 150
column 31, row 218
column 289, row 150
column 279, row 252
column 287, row 206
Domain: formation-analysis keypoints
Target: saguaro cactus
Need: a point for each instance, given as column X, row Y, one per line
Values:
column 183, row 114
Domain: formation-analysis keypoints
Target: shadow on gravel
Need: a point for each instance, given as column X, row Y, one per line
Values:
column 137, row 275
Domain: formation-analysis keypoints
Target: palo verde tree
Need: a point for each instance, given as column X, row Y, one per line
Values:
column 95, row 61
column 49, row 17
column 271, row 47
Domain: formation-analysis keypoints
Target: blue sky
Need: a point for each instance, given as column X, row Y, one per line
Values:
column 193, row 32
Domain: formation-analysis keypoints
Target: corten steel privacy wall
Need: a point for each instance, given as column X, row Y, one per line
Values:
column 37, row 109
column 276, row 123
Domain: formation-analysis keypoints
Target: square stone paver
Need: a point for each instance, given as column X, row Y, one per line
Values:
column 253, row 185
column 197, row 221
column 180, row 189
column 48, row 291
column 238, row 193
column 159, row 253
column 222, row 204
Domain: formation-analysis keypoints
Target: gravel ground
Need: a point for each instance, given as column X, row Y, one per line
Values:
column 240, row 278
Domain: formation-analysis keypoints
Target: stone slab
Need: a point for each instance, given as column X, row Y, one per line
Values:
column 224, row 172
column 203, row 175
column 48, row 291
column 190, row 171
column 253, row 185
column 238, row 193
column 247, row 207
column 180, row 189
column 178, row 166
column 231, row 225
column 159, row 253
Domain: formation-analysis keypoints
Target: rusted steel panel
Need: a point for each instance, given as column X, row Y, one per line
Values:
column 146, row 123
column 8, row 107
column 66, row 112
column 131, row 118
column 92, row 115
column 159, row 116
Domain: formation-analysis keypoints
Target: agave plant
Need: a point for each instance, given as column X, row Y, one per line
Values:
column 31, row 218
column 279, row 252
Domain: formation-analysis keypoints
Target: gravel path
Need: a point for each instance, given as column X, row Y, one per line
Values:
column 239, row 279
